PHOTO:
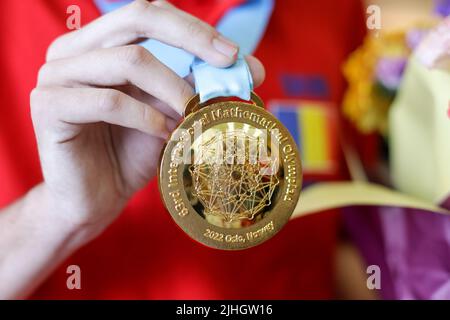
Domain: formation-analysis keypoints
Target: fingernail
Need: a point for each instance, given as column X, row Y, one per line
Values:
column 225, row 46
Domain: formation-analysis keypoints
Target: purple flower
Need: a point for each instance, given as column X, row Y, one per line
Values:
column 414, row 37
column 389, row 72
column 442, row 7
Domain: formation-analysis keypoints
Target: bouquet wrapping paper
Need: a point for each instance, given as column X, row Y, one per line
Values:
column 405, row 231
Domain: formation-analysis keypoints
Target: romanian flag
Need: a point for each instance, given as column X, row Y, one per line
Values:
column 313, row 125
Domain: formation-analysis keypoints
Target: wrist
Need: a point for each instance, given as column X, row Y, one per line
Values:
column 51, row 222
column 34, row 240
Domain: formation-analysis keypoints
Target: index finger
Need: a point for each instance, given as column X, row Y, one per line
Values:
column 156, row 20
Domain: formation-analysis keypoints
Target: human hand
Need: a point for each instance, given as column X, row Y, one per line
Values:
column 103, row 107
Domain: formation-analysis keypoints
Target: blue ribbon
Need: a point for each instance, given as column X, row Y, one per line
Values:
column 245, row 25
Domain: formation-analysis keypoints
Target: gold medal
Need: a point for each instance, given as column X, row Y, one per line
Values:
column 230, row 174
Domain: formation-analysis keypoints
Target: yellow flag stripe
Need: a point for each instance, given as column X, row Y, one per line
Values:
column 314, row 136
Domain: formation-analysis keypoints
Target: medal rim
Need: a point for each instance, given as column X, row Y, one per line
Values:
column 195, row 225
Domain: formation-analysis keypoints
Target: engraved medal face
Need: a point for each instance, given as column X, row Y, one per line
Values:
column 230, row 175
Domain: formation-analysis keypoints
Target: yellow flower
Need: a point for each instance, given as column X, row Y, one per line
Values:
column 363, row 104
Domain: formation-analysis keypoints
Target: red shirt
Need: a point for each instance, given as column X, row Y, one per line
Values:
column 143, row 254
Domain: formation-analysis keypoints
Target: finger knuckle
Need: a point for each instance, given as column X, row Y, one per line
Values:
column 195, row 27
column 34, row 98
column 140, row 6
column 161, row 4
column 109, row 100
column 43, row 73
column 146, row 114
column 186, row 93
column 37, row 96
column 149, row 7
column 158, row 120
column 39, row 99
column 142, row 16
column 53, row 51
column 199, row 31
column 134, row 55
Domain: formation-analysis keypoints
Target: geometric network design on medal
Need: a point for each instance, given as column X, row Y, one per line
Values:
column 236, row 187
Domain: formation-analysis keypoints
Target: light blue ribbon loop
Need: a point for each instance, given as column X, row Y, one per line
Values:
column 211, row 82
column 245, row 25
